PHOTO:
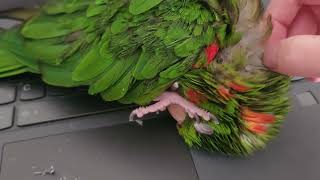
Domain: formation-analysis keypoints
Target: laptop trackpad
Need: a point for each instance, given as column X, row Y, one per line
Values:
column 124, row 152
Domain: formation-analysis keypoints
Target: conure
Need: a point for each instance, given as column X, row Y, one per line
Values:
column 203, row 55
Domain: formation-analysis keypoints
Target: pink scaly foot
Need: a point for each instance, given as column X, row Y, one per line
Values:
column 170, row 98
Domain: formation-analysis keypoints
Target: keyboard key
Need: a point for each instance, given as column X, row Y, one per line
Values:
column 7, row 94
column 306, row 99
column 58, row 91
column 6, row 117
column 31, row 91
column 59, row 108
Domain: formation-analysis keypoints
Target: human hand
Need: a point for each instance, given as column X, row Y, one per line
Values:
column 294, row 46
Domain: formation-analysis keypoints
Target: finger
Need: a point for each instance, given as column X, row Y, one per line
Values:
column 178, row 113
column 305, row 23
column 271, row 46
column 299, row 56
column 283, row 11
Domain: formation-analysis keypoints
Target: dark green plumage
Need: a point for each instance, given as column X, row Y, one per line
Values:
column 131, row 51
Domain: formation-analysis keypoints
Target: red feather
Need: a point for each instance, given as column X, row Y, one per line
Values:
column 257, row 117
column 212, row 51
column 238, row 87
column 224, row 92
column 257, row 128
column 194, row 96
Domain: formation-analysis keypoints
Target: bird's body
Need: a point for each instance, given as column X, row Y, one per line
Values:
column 134, row 51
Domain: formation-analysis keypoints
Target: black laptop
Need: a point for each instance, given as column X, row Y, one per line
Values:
column 51, row 133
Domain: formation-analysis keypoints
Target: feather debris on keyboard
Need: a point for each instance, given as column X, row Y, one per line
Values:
column 204, row 55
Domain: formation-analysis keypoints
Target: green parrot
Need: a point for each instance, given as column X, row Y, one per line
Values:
column 202, row 55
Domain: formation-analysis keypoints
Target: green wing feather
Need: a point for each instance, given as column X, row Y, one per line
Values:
column 47, row 26
column 140, row 6
column 113, row 74
column 61, row 75
column 53, row 7
column 95, row 61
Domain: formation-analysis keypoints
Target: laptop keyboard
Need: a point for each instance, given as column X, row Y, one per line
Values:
column 27, row 101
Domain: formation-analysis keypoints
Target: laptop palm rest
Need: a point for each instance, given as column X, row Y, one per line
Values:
column 123, row 152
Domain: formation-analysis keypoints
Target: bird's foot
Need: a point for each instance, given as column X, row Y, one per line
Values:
column 171, row 98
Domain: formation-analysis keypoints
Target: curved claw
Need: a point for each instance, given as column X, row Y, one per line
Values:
column 196, row 117
column 132, row 118
column 203, row 128
column 215, row 119
column 175, row 86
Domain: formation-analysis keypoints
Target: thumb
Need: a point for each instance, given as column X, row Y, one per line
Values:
column 299, row 56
